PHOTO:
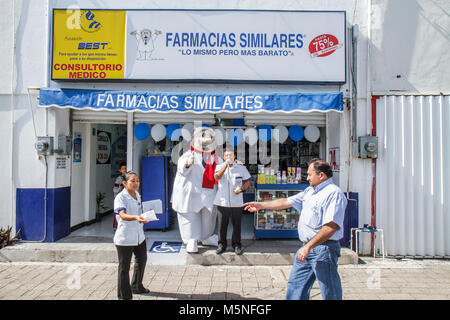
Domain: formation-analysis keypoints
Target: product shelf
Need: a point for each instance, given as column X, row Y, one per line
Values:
column 279, row 224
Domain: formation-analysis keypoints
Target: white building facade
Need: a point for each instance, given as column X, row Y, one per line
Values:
column 396, row 88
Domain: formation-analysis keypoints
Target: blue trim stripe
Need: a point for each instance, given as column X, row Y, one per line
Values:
column 116, row 211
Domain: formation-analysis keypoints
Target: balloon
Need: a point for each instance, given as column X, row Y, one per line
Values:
column 220, row 136
column 282, row 134
column 265, row 132
column 251, row 136
column 141, row 131
column 296, row 133
column 158, row 132
column 312, row 133
column 173, row 131
column 187, row 131
column 235, row 137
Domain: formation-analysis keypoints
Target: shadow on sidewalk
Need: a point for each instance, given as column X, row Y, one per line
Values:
column 199, row 296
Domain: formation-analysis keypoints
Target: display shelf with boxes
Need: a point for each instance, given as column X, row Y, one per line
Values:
column 277, row 224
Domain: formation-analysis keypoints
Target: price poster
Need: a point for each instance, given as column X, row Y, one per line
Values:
column 103, row 147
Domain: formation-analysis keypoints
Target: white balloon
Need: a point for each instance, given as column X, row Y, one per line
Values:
column 251, row 136
column 283, row 134
column 312, row 133
column 220, row 135
column 236, row 133
column 187, row 131
column 158, row 132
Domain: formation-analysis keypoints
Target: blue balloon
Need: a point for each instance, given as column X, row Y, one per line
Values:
column 173, row 131
column 265, row 132
column 296, row 133
column 141, row 131
column 235, row 137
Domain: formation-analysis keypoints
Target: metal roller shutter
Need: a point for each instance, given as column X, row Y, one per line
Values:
column 413, row 189
column 179, row 118
column 299, row 118
column 119, row 117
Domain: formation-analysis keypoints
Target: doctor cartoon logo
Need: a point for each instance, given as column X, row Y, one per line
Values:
column 145, row 43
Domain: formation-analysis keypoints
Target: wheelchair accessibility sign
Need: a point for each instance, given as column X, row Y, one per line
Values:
column 165, row 247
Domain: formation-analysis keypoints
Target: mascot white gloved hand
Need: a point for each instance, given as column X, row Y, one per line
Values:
column 194, row 191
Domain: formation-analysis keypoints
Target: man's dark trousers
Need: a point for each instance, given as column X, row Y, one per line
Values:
column 224, row 214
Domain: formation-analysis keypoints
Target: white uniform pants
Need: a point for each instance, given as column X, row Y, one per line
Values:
column 199, row 226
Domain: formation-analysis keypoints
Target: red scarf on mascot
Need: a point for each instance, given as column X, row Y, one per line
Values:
column 208, row 174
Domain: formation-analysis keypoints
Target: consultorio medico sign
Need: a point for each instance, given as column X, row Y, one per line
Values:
column 199, row 45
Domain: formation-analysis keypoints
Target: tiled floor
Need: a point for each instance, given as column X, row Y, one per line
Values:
column 104, row 229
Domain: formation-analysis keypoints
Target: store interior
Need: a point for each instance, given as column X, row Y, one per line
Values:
column 255, row 146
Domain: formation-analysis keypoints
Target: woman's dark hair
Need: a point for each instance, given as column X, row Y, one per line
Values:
column 321, row 166
column 129, row 174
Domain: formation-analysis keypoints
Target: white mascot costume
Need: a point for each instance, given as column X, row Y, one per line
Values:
column 194, row 190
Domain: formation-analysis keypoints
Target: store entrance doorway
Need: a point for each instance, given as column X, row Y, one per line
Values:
column 99, row 150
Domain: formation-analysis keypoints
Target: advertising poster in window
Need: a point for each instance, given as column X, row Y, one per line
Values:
column 103, row 147
column 88, row 44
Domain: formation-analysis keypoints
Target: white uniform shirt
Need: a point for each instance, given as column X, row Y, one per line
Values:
column 128, row 233
column 232, row 178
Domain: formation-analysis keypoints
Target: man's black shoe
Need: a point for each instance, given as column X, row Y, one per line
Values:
column 238, row 251
column 220, row 249
column 142, row 291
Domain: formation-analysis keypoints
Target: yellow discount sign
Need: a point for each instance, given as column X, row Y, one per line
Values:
column 88, row 44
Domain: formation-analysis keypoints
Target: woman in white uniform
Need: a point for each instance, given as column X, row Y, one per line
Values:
column 129, row 238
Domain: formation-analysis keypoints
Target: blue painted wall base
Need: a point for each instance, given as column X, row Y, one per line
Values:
column 350, row 219
column 30, row 215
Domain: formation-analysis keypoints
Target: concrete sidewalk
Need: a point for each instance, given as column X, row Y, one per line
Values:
column 371, row 279
column 101, row 250
column 94, row 244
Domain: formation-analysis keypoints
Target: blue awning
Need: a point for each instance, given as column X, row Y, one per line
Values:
column 190, row 102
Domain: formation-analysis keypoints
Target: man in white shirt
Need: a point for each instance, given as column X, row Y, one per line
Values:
column 233, row 179
column 322, row 209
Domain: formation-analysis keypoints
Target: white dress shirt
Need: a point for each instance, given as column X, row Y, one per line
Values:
column 233, row 177
column 318, row 206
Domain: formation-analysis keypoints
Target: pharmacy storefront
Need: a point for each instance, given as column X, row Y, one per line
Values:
column 169, row 71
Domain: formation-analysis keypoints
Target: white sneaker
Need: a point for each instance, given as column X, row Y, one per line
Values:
column 211, row 241
column 191, row 246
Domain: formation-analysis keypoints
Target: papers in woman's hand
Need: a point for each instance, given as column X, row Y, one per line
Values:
column 149, row 216
column 155, row 205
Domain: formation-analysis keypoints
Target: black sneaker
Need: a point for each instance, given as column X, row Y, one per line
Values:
column 220, row 249
column 238, row 251
column 141, row 291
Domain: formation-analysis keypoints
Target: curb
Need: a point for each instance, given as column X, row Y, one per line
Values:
column 254, row 255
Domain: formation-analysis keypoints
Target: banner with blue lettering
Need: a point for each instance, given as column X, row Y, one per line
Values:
column 272, row 46
column 189, row 102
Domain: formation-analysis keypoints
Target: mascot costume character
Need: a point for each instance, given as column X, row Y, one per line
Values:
column 194, row 190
